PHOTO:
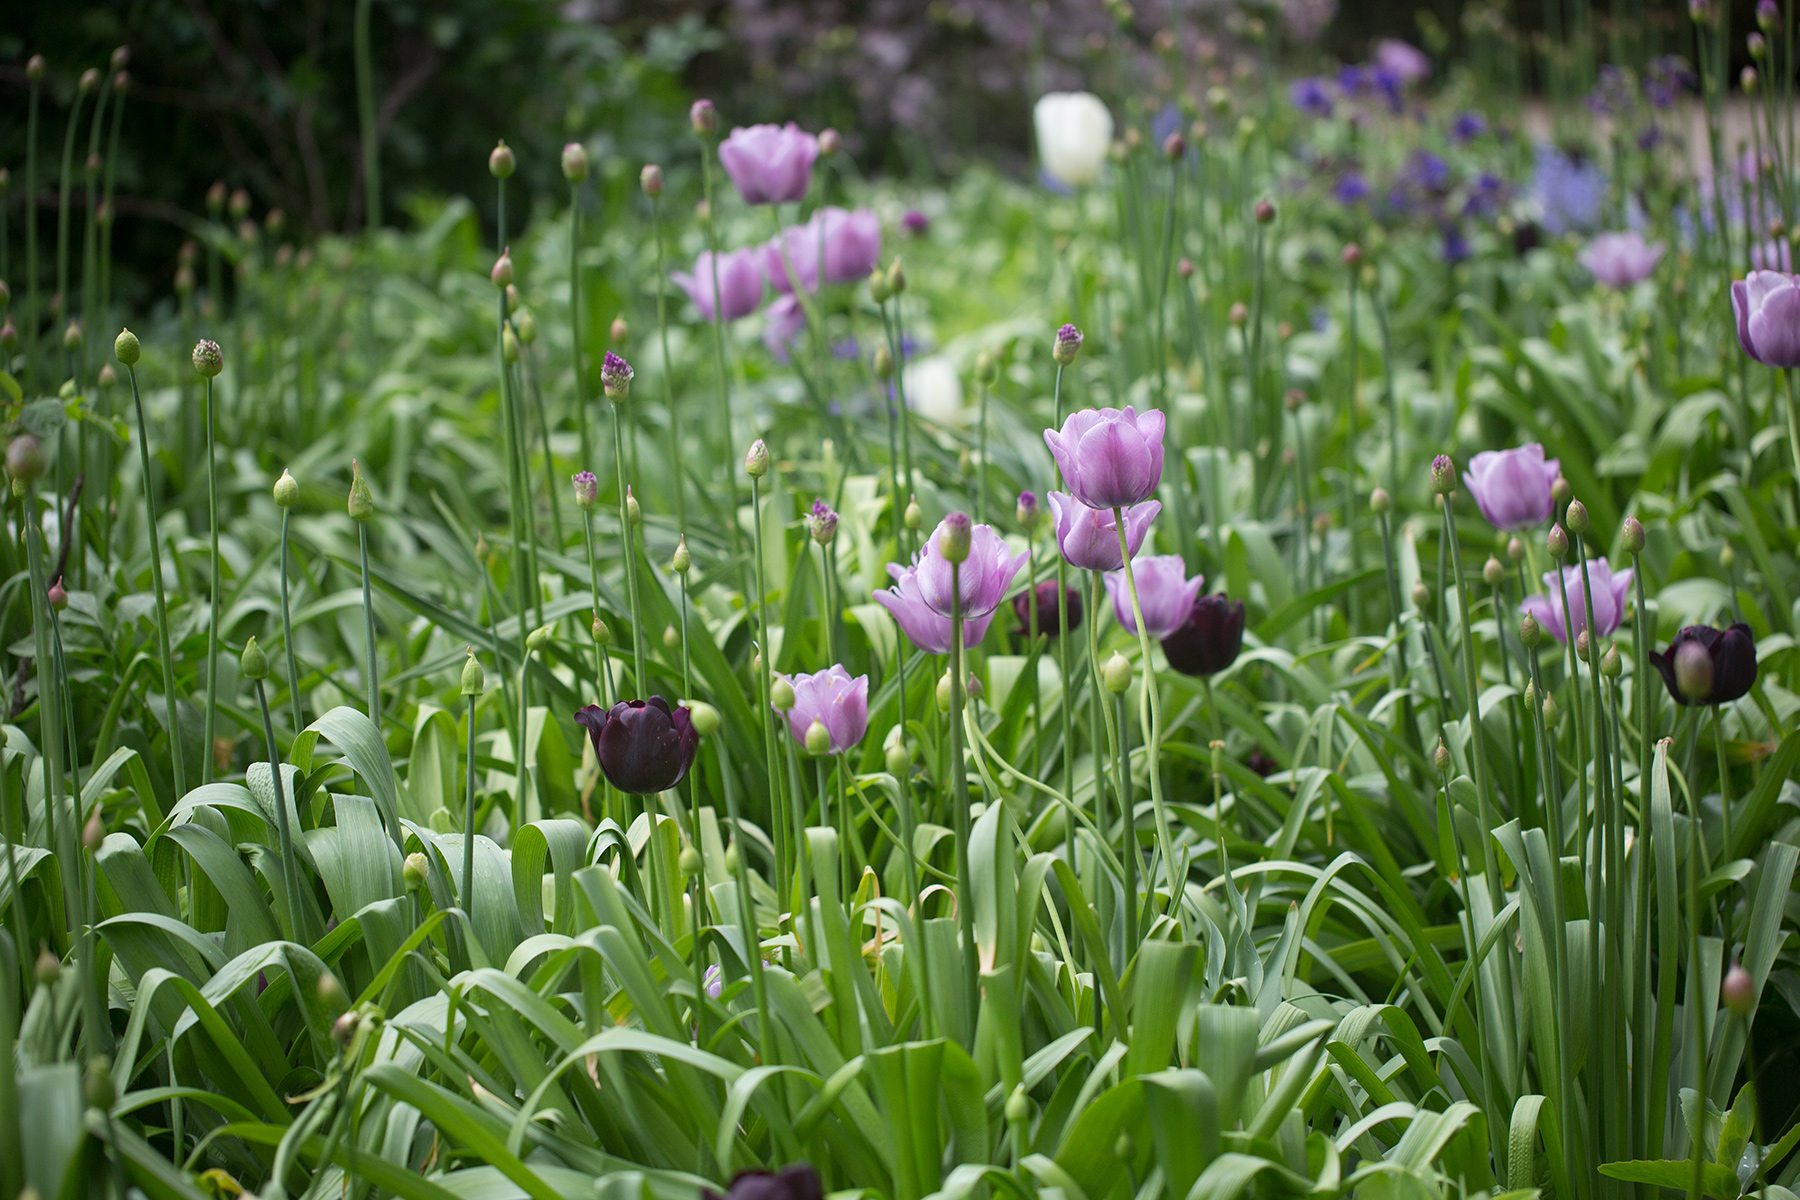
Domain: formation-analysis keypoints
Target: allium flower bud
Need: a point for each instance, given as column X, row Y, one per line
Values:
column 34, row 68
column 671, row 637
column 89, row 80
column 633, row 513
column 1353, row 255
column 681, row 560
column 1421, row 597
column 1583, row 646
column 1693, row 671
column 1531, row 695
column 575, row 162
column 1440, row 758
column 954, row 537
column 72, row 336
column 121, row 82
column 9, row 336
column 651, row 180
column 602, row 634
column 896, row 277
column 1174, row 147
column 1727, row 556
column 415, row 870
column 1380, row 502
column 974, row 689
column 897, row 759
column 108, row 378
column 618, row 333
column 689, row 859
column 501, row 161
column 537, row 639
column 704, row 118
column 25, row 458
column 57, row 594
column 126, row 348
column 818, row 738
column 286, row 491
column 1560, row 491
column 502, row 272
column 1265, row 212
column 781, row 694
column 474, row 679
column 884, row 361
column 1738, row 991
column 1552, row 712
column 823, row 523
column 253, row 664
column 705, row 717
column 1577, row 517
column 1238, row 314
column 526, row 324
column 829, row 142
column 1185, row 268
column 184, row 279
column 509, row 344
column 1018, row 1107
column 1515, row 549
column 47, row 968
column 1116, row 674
column 615, row 376
column 756, row 461
column 209, row 360
column 1557, row 542
column 1493, row 572
column 1530, row 632
column 1611, row 665
column 1768, row 12
column 1067, row 345
column 914, row 515
column 97, row 1087
column 343, row 1030
column 1027, row 512
column 987, row 368
column 944, row 684
column 1443, row 475
column 361, row 504
column 512, row 299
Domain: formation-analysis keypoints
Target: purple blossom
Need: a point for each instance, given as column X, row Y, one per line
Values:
column 1570, row 190
column 1512, row 487
column 1402, row 59
column 782, row 324
column 923, row 626
column 982, row 578
column 1109, row 457
column 1610, row 591
column 915, row 222
column 1620, row 260
column 1351, row 189
column 770, row 164
column 1165, row 593
column 1666, row 79
column 1088, row 538
column 1311, row 96
column 740, row 283
column 1466, row 127
column 1767, row 307
column 851, row 241
column 835, row 700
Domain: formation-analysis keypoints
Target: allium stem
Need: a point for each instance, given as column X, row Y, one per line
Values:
column 687, row 670
column 287, row 623
column 581, row 391
column 1472, row 681
column 468, row 855
column 297, row 929
column 62, row 207
column 1165, row 842
column 959, row 775
column 365, row 113
column 1062, row 636
column 1128, row 810
column 1793, row 423
column 372, row 684
column 162, row 603
column 628, row 549
column 33, row 315
column 602, row 675
column 729, row 443
column 767, row 712
column 765, row 1030
column 667, row 372
column 207, row 753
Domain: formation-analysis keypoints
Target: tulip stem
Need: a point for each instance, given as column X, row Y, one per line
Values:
column 1165, row 842
column 162, row 602
column 640, row 680
column 959, row 773
column 1127, row 809
column 291, row 887
column 753, row 965
column 207, row 752
column 1793, row 422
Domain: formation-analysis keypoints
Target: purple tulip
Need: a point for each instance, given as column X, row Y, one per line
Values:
column 1620, row 260
column 644, row 746
column 782, row 323
column 770, row 164
column 923, row 626
column 1610, row 591
column 796, row 1181
column 1401, row 59
column 1089, row 537
column 1730, row 655
column 1109, row 458
column 1043, row 597
column 852, row 242
column 1767, row 304
column 740, row 283
column 1512, row 487
column 982, row 578
column 1165, row 594
column 1209, row 640
column 833, row 699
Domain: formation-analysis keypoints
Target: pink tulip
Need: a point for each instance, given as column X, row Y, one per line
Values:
column 782, row 323
column 1512, row 487
column 1767, row 306
column 1110, row 458
column 1089, row 537
column 852, row 244
column 1165, row 593
column 1402, row 59
column 770, row 164
column 982, row 578
column 1620, row 260
column 740, row 283
column 835, row 700
column 923, row 626
column 1610, row 592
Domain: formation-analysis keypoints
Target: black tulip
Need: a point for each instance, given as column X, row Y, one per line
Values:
column 643, row 746
column 1044, row 595
column 797, row 1181
column 1731, row 652
column 1209, row 640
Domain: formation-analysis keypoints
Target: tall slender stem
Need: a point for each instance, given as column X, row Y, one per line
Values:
column 959, row 774
column 581, row 392
column 207, row 753
column 627, row 548
column 297, row 930
column 729, row 442
column 162, row 603
column 365, row 113
column 667, row 371
column 1165, row 842
column 287, row 628
column 34, row 315
column 468, row 855
column 373, row 681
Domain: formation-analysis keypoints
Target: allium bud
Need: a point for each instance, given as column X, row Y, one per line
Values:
column 414, row 870
column 1352, row 255
column 108, row 378
column 126, row 348
column 1421, row 597
column 1768, row 12
column 343, row 1030
column 987, row 368
column 756, row 460
column 25, row 458
column 1440, row 758
column 34, row 68
column 689, row 859
column 501, row 161
column 884, row 360
column 1067, row 345
column 57, row 594
column 286, row 491
column 1584, row 645
column 9, row 336
column 818, row 738
column 615, row 376
column 633, row 513
column 1552, row 712
column 944, row 684
column 602, row 634
column 1174, row 147
column 502, row 272
column 121, row 82
column 575, row 162
column 1443, row 475
column 253, row 664
column 1018, row 1106
column 954, row 537
column 240, row 204
column 651, row 180
column 89, row 80
column 72, row 336
column 1557, row 542
column 474, row 679
column 1185, row 268
column 704, row 717
column 618, row 333
column 1693, row 671
column 1380, row 502
column 361, row 504
column 1265, row 212
column 537, row 639
column 781, row 694
column 704, row 118
column 897, row 759
column 974, row 689
column 97, row 1087
column 1238, row 314
column 93, row 831
column 509, row 344
column 671, row 637
column 1611, row 665
column 1560, row 491
column 1116, row 673
column 1027, row 512
column 829, row 142
column 879, row 291
column 331, row 992
column 822, row 523
column 526, row 324
column 896, row 277
column 1515, row 549
column 1530, row 632
column 1493, row 572
column 1577, row 517
column 1531, row 695
column 914, row 515
column 1738, row 991
column 48, row 968
column 1727, row 557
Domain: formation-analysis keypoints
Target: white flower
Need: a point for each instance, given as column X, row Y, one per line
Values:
column 1074, row 132
column 934, row 390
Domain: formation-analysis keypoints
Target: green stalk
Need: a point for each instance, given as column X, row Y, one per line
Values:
column 34, row 316
column 62, row 206
column 1165, row 842
column 718, row 323
column 50, row 699
column 1062, row 630
column 207, row 755
column 90, row 170
column 965, row 897
column 468, row 856
column 373, row 683
column 296, row 930
column 668, row 386
column 765, row 1029
column 981, row 452
column 765, row 709
column 1793, row 423
column 581, row 391
column 365, row 113
column 627, row 547
column 287, row 624
column 1127, row 809
column 601, row 674
column 106, row 204
column 162, row 603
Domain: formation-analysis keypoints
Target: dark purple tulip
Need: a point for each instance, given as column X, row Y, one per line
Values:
column 797, row 1181
column 1731, row 654
column 643, row 746
column 1044, row 596
column 1209, row 640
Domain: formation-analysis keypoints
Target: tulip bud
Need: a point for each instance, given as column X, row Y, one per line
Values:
column 587, row 490
column 414, row 871
column 1611, row 665
column 126, row 348
column 1693, row 671
column 681, row 560
column 781, row 694
column 501, row 161
column 896, row 278
column 829, row 142
column 879, row 291
column 25, row 458
column 1116, row 673
column 703, row 118
column 651, row 180
column 689, row 861
column 1577, row 517
column 618, row 333
column 1380, row 503
column 818, row 738
column 1515, row 549
column 704, row 717
column 209, row 360
column 1067, row 345
column 1421, row 597
column 914, row 515
column 575, row 162
column 97, row 1087
column 1530, row 632
column 93, row 832
column 756, row 461
column 253, row 664
column 1560, row 491
column 1265, row 212
column 1738, row 991
column 954, row 537
column 362, row 502
column 884, row 363
column 1493, row 572
column 1633, row 535
column 1440, row 758
column 502, row 272
column 48, row 968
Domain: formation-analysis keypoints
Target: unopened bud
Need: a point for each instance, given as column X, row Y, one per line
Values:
column 689, row 861
column 1584, row 645
column 633, row 513
column 253, row 664
column 1530, row 632
column 1174, row 147
column 879, row 291
column 1738, row 991
column 1577, row 517
column 1265, row 212
column 1727, row 557
column 1693, row 671
column 209, row 360
column 914, row 515
column 618, row 333
column 25, row 458
column 1353, row 256
column 1067, row 345
column 896, row 758
column 954, row 537
column 704, row 717
column 896, row 277
column 1611, row 665
column 756, row 460
column 818, row 738
column 1380, row 502
column 1027, row 513
column 884, row 363
column 331, row 992
column 1560, row 491
column 1552, row 712
column 1557, row 542
column 601, row 632
column 829, row 142
column 671, row 637
column 946, row 681
column 93, row 832
column 1443, row 475
column 1238, row 314
column 97, row 1087
column 1116, row 673
column 361, row 504
column 587, row 490
column 537, row 639
column 575, row 162
column 526, row 325
column 415, row 870
column 703, row 118
column 57, row 594
column 1493, row 572
column 502, row 272
column 126, row 348
column 48, row 968
column 1421, row 597
column 781, row 694
column 1632, row 535
column 1515, row 549
column 681, row 560
column 1018, row 1106
column 1440, row 758
column 501, row 162
column 108, row 378
column 474, row 679
column 651, row 180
